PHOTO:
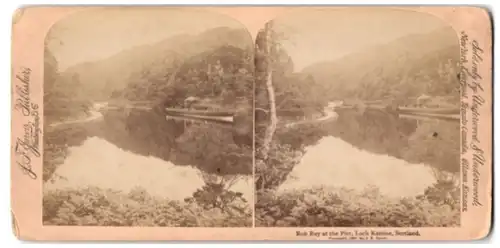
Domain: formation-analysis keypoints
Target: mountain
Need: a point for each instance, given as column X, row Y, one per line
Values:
column 407, row 66
column 102, row 77
column 223, row 75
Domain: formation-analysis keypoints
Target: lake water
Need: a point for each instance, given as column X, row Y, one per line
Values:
column 357, row 150
column 122, row 149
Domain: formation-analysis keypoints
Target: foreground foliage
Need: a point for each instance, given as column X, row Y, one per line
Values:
column 96, row 207
column 347, row 208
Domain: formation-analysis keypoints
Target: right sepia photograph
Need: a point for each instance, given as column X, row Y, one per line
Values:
column 357, row 117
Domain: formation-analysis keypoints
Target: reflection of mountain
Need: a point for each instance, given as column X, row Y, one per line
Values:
column 147, row 133
column 416, row 57
column 433, row 142
column 104, row 76
column 376, row 131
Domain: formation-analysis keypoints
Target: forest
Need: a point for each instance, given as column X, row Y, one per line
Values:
column 62, row 98
column 400, row 70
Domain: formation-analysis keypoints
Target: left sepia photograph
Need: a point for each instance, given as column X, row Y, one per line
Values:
column 148, row 119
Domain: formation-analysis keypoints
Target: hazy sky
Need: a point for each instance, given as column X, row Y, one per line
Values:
column 317, row 35
column 323, row 35
column 95, row 34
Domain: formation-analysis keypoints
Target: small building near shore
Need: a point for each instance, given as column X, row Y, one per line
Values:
column 334, row 104
column 423, row 100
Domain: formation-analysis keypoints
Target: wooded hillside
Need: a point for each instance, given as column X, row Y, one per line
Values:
column 407, row 67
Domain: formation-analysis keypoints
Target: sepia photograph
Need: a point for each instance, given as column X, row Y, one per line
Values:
column 251, row 123
column 148, row 119
column 357, row 120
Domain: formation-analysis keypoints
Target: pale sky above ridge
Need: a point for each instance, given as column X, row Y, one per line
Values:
column 315, row 35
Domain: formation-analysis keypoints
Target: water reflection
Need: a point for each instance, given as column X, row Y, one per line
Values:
column 433, row 142
column 401, row 156
column 148, row 133
column 141, row 148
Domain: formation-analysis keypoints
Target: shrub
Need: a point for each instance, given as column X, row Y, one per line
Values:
column 326, row 207
column 96, row 207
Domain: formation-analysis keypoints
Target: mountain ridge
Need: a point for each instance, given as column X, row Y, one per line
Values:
column 113, row 73
column 409, row 56
column 403, row 39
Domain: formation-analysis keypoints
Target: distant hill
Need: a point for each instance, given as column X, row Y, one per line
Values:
column 411, row 65
column 223, row 75
column 102, row 77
